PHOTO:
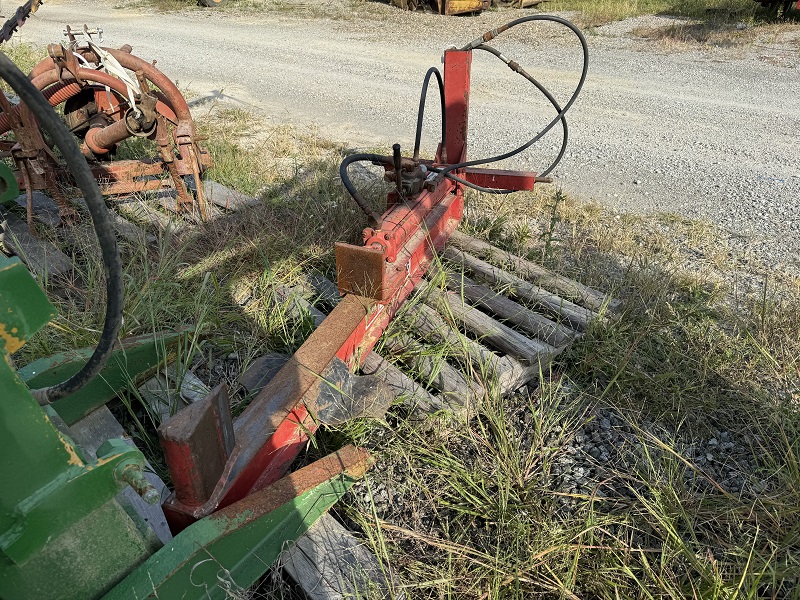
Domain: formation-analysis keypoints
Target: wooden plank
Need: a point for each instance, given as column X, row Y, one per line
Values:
column 130, row 231
column 225, row 197
column 45, row 209
column 569, row 288
column 506, row 372
column 577, row 316
column 329, row 563
column 416, row 398
column 41, row 257
column 455, row 388
column 487, row 329
column 323, row 288
column 506, row 309
column 433, row 328
column 190, row 387
column 162, row 398
column 297, row 306
column 139, row 210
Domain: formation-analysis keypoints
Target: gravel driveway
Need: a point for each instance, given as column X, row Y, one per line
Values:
column 712, row 134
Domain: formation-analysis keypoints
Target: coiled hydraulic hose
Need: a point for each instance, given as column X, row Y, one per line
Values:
column 112, row 264
column 488, row 36
column 480, row 44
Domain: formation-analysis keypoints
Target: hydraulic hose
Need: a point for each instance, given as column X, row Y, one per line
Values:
column 565, row 128
column 480, row 44
column 112, row 264
column 374, row 217
column 421, row 111
column 488, row 36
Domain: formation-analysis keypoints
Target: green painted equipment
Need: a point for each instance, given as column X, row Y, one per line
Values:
column 63, row 535
column 9, row 188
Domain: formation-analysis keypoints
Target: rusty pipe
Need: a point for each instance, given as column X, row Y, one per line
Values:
column 161, row 81
column 99, row 140
column 64, row 90
column 55, row 95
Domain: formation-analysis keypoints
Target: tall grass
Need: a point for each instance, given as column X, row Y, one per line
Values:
column 598, row 12
column 481, row 509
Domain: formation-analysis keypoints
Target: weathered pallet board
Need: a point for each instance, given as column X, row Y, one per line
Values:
column 488, row 329
column 578, row 316
column 40, row 256
column 45, row 209
column 130, row 231
column 539, row 326
column 416, row 398
column 329, row 563
column 568, row 288
column 142, row 211
column 225, row 197
column 454, row 387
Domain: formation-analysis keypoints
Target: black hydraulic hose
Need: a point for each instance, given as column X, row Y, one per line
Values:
column 377, row 159
column 421, row 111
column 565, row 128
column 469, row 184
column 112, row 264
column 480, row 44
column 488, row 36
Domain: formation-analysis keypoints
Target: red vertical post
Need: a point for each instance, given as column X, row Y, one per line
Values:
column 457, row 65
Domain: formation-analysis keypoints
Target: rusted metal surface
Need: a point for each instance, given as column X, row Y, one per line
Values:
column 273, row 428
column 504, row 180
column 232, row 548
column 457, row 67
column 100, row 110
column 197, row 442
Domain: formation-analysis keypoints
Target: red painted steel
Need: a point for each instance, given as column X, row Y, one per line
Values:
column 500, row 179
column 457, row 66
column 277, row 423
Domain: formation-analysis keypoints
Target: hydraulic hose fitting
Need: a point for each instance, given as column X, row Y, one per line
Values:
column 398, row 169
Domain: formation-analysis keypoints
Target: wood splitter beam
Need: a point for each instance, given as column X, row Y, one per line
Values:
column 374, row 279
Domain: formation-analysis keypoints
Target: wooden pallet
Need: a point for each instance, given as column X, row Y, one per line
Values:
column 503, row 341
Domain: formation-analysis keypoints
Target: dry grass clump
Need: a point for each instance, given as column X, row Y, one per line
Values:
column 600, row 12
column 688, row 35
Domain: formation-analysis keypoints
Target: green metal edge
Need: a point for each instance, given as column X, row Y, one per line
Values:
column 230, row 550
column 135, row 360
column 9, row 187
column 66, row 500
column 24, row 309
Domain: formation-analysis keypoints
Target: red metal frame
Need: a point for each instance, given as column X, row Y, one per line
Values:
column 375, row 279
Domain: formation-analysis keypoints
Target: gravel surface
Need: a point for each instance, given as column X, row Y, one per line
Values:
column 594, row 451
column 704, row 133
